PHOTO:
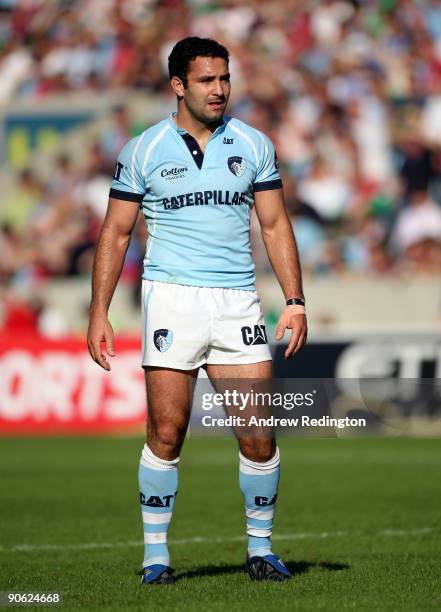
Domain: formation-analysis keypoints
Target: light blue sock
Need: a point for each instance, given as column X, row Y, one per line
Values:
column 158, row 483
column 259, row 483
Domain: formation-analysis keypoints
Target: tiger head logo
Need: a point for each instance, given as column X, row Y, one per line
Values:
column 237, row 165
column 163, row 339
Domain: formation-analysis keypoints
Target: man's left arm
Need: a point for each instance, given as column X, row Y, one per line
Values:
column 280, row 244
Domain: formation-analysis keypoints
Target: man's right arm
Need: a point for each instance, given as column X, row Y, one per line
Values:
column 108, row 262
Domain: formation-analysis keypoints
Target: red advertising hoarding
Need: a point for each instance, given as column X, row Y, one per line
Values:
column 54, row 387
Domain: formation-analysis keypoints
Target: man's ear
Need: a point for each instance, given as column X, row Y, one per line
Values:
column 177, row 86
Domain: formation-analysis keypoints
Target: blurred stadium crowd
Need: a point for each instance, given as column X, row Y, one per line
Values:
column 349, row 92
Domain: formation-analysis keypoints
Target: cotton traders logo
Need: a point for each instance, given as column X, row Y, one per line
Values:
column 163, row 339
column 237, row 165
column 173, row 173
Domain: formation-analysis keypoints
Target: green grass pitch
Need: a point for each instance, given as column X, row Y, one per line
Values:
column 357, row 521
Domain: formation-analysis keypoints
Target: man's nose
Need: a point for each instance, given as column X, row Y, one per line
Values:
column 218, row 89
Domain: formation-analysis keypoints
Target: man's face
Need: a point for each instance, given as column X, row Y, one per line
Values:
column 208, row 88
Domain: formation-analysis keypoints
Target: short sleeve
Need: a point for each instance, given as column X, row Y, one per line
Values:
column 267, row 175
column 128, row 182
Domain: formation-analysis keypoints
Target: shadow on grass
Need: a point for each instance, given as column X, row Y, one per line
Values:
column 295, row 567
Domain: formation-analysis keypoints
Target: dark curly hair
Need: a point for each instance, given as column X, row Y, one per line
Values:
column 188, row 49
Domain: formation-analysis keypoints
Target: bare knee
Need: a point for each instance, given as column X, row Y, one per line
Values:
column 165, row 440
column 259, row 450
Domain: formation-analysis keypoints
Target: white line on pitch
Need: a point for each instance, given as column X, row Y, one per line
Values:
column 202, row 540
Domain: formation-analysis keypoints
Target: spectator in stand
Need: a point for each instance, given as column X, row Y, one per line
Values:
column 115, row 137
column 417, row 169
column 23, row 203
column 20, row 315
column 326, row 191
column 416, row 235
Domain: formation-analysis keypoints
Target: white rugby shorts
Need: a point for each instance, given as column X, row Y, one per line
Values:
column 184, row 327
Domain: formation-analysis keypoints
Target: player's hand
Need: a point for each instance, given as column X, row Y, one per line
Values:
column 100, row 332
column 290, row 319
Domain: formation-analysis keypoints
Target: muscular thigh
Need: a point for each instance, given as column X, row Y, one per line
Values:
column 169, row 397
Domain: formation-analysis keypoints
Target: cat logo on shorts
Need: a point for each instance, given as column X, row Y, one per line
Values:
column 237, row 165
column 254, row 335
column 163, row 339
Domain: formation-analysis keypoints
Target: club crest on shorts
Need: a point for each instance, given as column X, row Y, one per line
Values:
column 163, row 339
column 237, row 165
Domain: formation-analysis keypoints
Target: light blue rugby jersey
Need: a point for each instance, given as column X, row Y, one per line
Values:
column 197, row 205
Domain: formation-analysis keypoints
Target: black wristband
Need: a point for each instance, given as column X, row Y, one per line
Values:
column 295, row 302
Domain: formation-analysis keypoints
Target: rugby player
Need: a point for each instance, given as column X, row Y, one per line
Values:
column 196, row 176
